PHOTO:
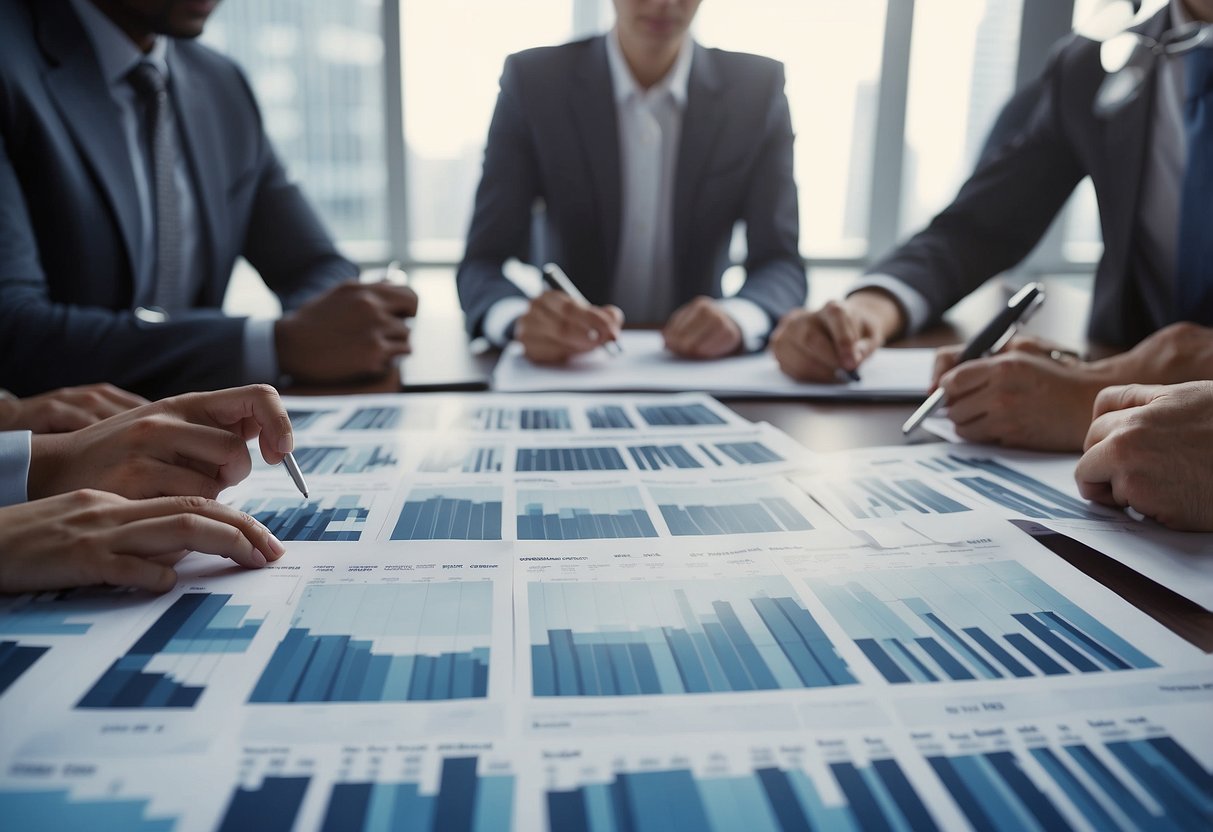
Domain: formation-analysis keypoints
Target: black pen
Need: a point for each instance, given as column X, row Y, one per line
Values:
column 555, row 277
column 991, row 339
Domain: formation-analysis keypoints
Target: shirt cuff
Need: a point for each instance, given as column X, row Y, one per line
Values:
column 260, row 355
column 751, row 319
column 14, row 466
column 915, row 306
column 499, row 320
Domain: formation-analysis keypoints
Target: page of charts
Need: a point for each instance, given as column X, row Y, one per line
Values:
column 645, row 364
column 616, row 613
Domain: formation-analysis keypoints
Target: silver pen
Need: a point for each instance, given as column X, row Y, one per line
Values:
column 555, row 277
column 292, row 468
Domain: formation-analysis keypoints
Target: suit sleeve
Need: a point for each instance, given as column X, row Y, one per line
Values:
column 501, row 218
column 285, row 241
column 775, row 277
column 45, row 344
column 1000, row 213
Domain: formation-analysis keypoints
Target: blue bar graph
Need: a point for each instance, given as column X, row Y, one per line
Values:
column 878, row 497
column 985, row 621
column 197, row 623
column 569, row 459
column 1012, row 489
column 489, row 418
column 460, row 458
column 582, row 514
column 716, row 510
column 383, row 643
column 271, row 807
column 1102, row 783
column 15, row 659
column 659, row 457
column 607, row 638
column 47, row 809
column 744, row 453
column 456, row 513
column 678, row 415
column 876, row 796
column 465, row 801
column 608, row 416
column 321, row 519
column 49, row 614
column 374, row 418
column 305, row 419
column 337, row 459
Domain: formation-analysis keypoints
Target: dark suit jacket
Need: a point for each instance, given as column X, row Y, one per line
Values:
column 69, row 216
column 1009, row 202
column 554, row 136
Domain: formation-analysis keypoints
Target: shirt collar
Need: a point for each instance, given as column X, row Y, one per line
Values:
column 116, row 53
column 624, row 83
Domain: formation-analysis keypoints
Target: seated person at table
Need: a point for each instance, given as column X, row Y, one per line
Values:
column 1151, row 162
column 133, row 486
column 1151, row 447
column 134, row 171
column 646, row 148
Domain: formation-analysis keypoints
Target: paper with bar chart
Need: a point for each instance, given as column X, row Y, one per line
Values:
column 737, row 507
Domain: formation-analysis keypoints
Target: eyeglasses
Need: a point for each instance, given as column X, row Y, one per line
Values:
column 1129, row 57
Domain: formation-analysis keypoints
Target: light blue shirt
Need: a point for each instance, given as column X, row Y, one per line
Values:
column 118, row 55
column 14, row 466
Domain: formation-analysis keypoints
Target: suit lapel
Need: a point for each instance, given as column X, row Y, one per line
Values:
column 80, row 93
column 592, row 101
column 200, row 141
column 701, row 125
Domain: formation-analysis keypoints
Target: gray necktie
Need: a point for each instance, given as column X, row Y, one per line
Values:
column 150, row 84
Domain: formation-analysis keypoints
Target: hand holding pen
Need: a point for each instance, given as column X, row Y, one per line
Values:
column 561, row 323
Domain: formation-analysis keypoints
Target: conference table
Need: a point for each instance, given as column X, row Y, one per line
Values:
column 444, row 360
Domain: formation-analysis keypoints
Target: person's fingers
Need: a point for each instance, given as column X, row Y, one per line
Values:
column 1094, row 472
column 964, row 379
column 579, row 328
column 127, row 570
column 809, row 358
column 544, row 350
column 124, row 398
column 219, row 453
column 945, row 359
column 179, row 478
column 978, row 429
column 400, row 301
column 63, row 417
column 616, row 315
column 229, row 408
column 256, row 534
column 843, row 332
column 186, row 532
column 1121, row 397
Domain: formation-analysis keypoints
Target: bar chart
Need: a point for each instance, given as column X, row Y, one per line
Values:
column 375, row 418
column 454, row 513
column 569, row 459
column 741, row 453
column 331, row 518
column 47, row 809
column 772, row 798
column 270, row 807
column 881, row 498
column 678, row 415
column 1012, row 489
column 713, row 510
column 608, row 638
column 47, row 614
column 582, row 514
column 464, row 801
column 423, row 641
column 15, row 659
column 662, row 457
column 197, row 624
column 608, row 416
column 336, row 459
column 495, row 418
column 460, row 458
column 1148, row 783
column 983, row 621
column 307, row 419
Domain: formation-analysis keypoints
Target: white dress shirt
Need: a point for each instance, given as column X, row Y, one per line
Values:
column 117, row 55
column 1158, row 206
column 650, row 130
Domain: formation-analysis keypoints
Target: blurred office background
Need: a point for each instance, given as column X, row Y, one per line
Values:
column 380, row 107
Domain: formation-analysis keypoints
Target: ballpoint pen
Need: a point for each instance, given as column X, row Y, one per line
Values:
column 395, row 275
column 555, row 277
column 292, row 468
column 991, row 339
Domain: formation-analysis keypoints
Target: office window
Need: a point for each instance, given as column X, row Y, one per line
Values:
column 962, row 71
column 832, row 55
column 317, row 69
column 453, row 52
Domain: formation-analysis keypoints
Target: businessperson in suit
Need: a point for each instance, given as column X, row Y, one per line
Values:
column 1151, row 163
column 646, row 148
column 134, row 170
